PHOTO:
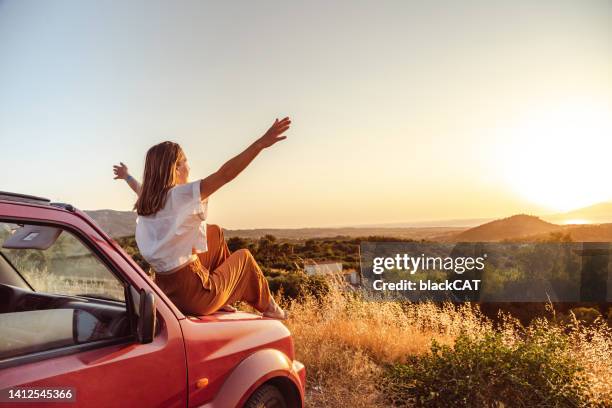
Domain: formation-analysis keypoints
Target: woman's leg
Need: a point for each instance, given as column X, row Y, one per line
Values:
column 233, row 276
column 216, row 254
column 217, row 251
column 240, row 278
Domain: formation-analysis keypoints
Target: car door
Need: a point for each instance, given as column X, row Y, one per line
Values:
column 68, row 317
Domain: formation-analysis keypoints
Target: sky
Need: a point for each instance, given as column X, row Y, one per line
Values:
column 402, row 110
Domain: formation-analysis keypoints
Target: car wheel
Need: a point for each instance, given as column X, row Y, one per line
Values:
column 266, row 396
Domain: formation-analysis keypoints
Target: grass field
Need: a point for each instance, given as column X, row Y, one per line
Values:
column 348, row 342
column 367, row 351
column 359, row 351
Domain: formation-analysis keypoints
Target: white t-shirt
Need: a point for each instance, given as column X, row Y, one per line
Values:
column 166, row 238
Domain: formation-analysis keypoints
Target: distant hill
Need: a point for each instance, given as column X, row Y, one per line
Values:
column 123, row 223
column 429, row 233
column 116, row 223
column 581, row 233
column 517, row 226
column 450, row 223
column 597, row 214
column 524, row 227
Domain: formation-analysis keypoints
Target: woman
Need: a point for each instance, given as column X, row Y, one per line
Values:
column 192, row 262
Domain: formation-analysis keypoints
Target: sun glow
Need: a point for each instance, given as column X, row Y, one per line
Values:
column 561, row 159
column 579, row 221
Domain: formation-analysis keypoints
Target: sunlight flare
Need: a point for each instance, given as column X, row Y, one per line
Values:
column 561, row 158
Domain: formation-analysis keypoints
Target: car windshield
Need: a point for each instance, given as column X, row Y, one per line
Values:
column 59, row 263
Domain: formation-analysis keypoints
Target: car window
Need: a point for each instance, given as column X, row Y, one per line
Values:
column 74, row 298
column 67, row 266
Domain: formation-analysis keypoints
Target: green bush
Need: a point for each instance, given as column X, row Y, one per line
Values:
column 587, row 315
column 537, row 371
column 129, row 245
column 297, row 285
column 236, row 243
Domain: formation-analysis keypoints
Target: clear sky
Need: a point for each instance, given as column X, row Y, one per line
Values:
column 402, row 110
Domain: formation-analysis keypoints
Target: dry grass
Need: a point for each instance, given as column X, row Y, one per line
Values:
column 593, row 348
column 43, row 281
column 346, row 338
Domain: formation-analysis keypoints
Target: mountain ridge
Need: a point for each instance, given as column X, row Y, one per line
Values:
column 513, row 227
column 519, row 226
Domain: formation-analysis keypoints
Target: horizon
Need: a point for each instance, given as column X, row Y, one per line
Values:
column 560, row 219
column 401, row 111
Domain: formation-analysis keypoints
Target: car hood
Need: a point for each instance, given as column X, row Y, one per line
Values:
column 225, row 333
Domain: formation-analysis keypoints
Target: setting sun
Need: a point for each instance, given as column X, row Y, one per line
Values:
column 560, row 158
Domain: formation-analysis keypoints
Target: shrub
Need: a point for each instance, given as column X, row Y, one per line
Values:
column 298, row 285
column 236, row 243
column 586, row 315
column 490, row 372
column 129, row 245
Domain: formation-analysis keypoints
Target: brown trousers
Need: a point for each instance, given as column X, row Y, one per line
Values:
column 216, row 278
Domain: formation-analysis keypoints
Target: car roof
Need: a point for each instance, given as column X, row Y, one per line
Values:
column 30, row 199
column 23, row 198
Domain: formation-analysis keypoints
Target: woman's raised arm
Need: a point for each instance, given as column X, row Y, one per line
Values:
column 121, row 172
column 234, row 166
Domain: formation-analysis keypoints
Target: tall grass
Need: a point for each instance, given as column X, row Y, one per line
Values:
column 43, row 281
column 347, row 340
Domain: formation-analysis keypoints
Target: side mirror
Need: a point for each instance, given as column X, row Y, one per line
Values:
column 147, row 317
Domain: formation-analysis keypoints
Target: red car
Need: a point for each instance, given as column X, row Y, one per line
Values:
column 82, row 324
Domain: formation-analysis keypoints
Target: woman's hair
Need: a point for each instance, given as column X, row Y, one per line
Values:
column 159, row 177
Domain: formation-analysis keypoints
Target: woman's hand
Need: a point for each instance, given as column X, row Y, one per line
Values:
column 273, row 134
column 234, row 166
column 121, row 171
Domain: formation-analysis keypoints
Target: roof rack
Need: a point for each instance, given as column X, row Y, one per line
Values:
column 23, row 198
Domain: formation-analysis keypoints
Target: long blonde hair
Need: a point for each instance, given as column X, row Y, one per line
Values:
column 159, row 177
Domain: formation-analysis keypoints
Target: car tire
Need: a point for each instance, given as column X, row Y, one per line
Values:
column 266, row 396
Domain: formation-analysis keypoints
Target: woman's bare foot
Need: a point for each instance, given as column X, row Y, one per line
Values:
column 274, row 311
column 228, row 308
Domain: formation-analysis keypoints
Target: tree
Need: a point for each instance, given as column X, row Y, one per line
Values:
column 236, row 243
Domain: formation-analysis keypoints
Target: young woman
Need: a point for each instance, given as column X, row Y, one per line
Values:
column 192, row 262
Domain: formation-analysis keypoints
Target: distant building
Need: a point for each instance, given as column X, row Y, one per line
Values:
column 322, row 267
column 312, row 267
column 352, row 277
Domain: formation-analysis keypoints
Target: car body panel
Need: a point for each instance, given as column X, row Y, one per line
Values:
column 247, row 377
column 123, row 375
column 130, row 369
column 217, row 344
column 234, row 352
